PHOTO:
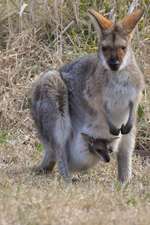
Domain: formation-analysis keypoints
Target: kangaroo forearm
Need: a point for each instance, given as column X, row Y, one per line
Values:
column 125, row 129
column 113, row 130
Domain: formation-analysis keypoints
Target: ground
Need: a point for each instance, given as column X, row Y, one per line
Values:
column 30, row 199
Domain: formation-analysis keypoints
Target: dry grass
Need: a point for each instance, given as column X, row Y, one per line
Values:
column 29, row 44
column 28, row 199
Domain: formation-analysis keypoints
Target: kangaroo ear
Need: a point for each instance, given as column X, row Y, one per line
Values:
column 130, row 21
column 102, row 21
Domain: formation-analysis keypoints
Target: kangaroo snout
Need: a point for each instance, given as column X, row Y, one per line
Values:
column 113, row 64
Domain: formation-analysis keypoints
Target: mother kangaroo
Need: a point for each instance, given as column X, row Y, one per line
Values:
column 95, row 96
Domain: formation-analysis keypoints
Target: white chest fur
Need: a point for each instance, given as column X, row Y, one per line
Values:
column 117, row 95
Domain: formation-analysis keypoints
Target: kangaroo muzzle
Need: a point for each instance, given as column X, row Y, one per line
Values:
column 113, row 64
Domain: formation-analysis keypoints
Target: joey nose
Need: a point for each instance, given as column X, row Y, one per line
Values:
column 113, row 63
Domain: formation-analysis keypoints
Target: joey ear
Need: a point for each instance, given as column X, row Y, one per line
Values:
column 102, row 21
column 86, row 137
column 130, row 21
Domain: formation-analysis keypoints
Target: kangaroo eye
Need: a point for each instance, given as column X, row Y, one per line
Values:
column 123, row 48
column 104, row 48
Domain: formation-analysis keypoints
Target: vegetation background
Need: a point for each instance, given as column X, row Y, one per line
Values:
column 36, row 35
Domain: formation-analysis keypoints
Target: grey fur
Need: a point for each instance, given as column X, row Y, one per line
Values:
column 49, row 111
column 86, row 96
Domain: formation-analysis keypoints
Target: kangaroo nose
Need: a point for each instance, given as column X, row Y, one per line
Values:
column 113, row 63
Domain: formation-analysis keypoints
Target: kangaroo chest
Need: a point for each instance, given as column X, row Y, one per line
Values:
column 115, row 94
column 116, row 97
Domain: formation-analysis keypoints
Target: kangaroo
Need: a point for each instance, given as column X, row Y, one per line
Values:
column 96, row 95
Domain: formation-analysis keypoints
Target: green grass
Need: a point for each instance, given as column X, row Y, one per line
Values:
column 4, row 136
column 39, row 147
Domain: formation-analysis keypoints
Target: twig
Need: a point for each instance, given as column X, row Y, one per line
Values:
column 112, row 14
column 133, row 5
column 65, row 29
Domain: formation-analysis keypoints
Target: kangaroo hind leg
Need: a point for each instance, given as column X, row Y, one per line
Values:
column 49, row 159
column 51, row 115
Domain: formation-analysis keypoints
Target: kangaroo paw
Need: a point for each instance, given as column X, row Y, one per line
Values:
column 113, row 130
column 125, row 129
column 43, row 170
